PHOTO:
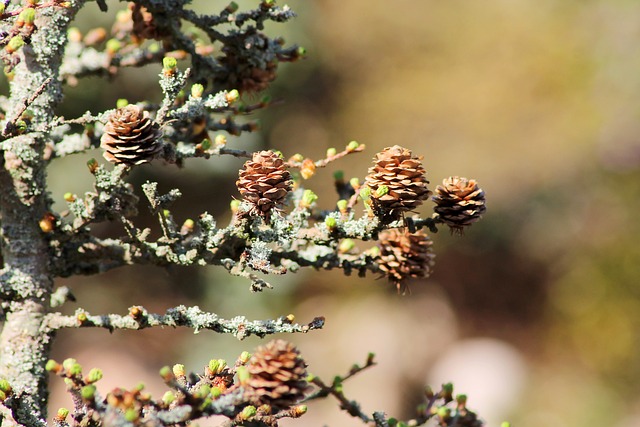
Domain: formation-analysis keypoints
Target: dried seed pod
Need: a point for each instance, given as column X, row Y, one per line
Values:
column 397, row 183
column 459, row 202
column 405, row 255
column 131, row 137
column 277, row 376
column 264, row 182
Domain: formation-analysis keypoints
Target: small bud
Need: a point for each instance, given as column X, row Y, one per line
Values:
column 69, row 197
column 232, row 96
column 248, row 412
column 297, row 158
column 26, row 17
column 447, row 392
column 178, row 370
column 346, row 246
column 75, row 370
column 14, row 44
column 131, row 415
column 139, row 387
column 355, row 183
column 168, row 397
column 421, row 410
column 62, row 414
column 444, row 412
column 331, row 152
column 352, row 146
column 166, row 374
column 299, row 411
column 244, row 357
column 428, row 392
column 47, row 223
column 187, row 226
column 215, row 392
column 330, row 222
column 67, row 364
column 93, row 376
column 461, row 400
column 392, row 422
column 268, row 3
column 301, row 51
column 505, row 424
column 290, row 318
column 95, row 36
column 113, row 46
column 308, row 198
column 2, row 7
column 382, row 190
column 122, row 102
column 93, row 165
column 374, row 252
column 213, row 366
column 5, row 386
column 169, row 66
column 136, row 311
column 243, row 374
column 81, row 317
column 342, row 206
column 3, row 396
column 308, row 168
column 202, row 391
column 232, row 7
column 197, row 90
column 365, row 193
column 235, row 205
column 88, row 392
column 220, row 140
column 338, row 176
column 53, row 366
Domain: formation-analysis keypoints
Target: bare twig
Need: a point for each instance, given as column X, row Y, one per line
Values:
column 10, row 127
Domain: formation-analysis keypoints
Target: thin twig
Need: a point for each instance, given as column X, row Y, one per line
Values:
column 10, row 127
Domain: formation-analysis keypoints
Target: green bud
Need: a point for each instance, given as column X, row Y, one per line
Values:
column 354, row 182
column 248, row 412
column 75, row 370
column 69, row 197
column 3, row 396
column 131, row 415
column 122, row 102
column 382, row 190
column 220, row 140
column 169, row 63
column 461, row 399
column 365, row 193
column 338, row 175
column 346, row 246
column 5, row 386
column 310, row 378
column 330, row 222
column 27, row 16
column 139, row 387
column 268, row 3
column 14, row 44
column 62, row 414
column 297, row 157
column 447, row 391
column 88, row 392
column 232, row 7
column 392, row 422
column 206, row 144
column 94, row 375
column 21, row 125
column 178, row 370
column 52, row 365
column 166, row 374
column 82, row 317
column 299, row 411
column 243, row 374
column 331, row 152
column 370, row 358
column 244, row 357
column 235, row 205
column 505, row 424
column 203, row 391
column 352, row 146
column 232, row 96
column 113, row 46
column 213, row 366
column 308, row 198
column 342, row 205
column 92, row 164
column 215, row 392
column 2, row 6
column 301, row 51
column 197, row 90
column 444, row 412
column 67, row 364
column 168, row 397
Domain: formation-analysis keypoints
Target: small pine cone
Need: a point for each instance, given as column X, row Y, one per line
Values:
column 405, row 255
column 250, row 64
column 459, row 202
column 397, row 183
column 264, row 182
column 131, row 137
column 277, row 376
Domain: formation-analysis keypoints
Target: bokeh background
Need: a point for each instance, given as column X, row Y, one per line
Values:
column 534, row 313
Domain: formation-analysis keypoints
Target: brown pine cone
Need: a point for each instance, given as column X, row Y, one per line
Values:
column 405, row 255
column 264, row 182
column 131, row 137
column 397, row 183
column 459, row 202
column 249, row 62
column 278, row 376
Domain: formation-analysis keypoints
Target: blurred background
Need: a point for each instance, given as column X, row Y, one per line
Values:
column 534, row 313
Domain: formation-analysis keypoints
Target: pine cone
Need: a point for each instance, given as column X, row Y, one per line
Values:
column 250, row 64
column 404, row 255
column 278, row 375
column 264, row 182
column 397, row 183
column 131, row 137
column 459, row 202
